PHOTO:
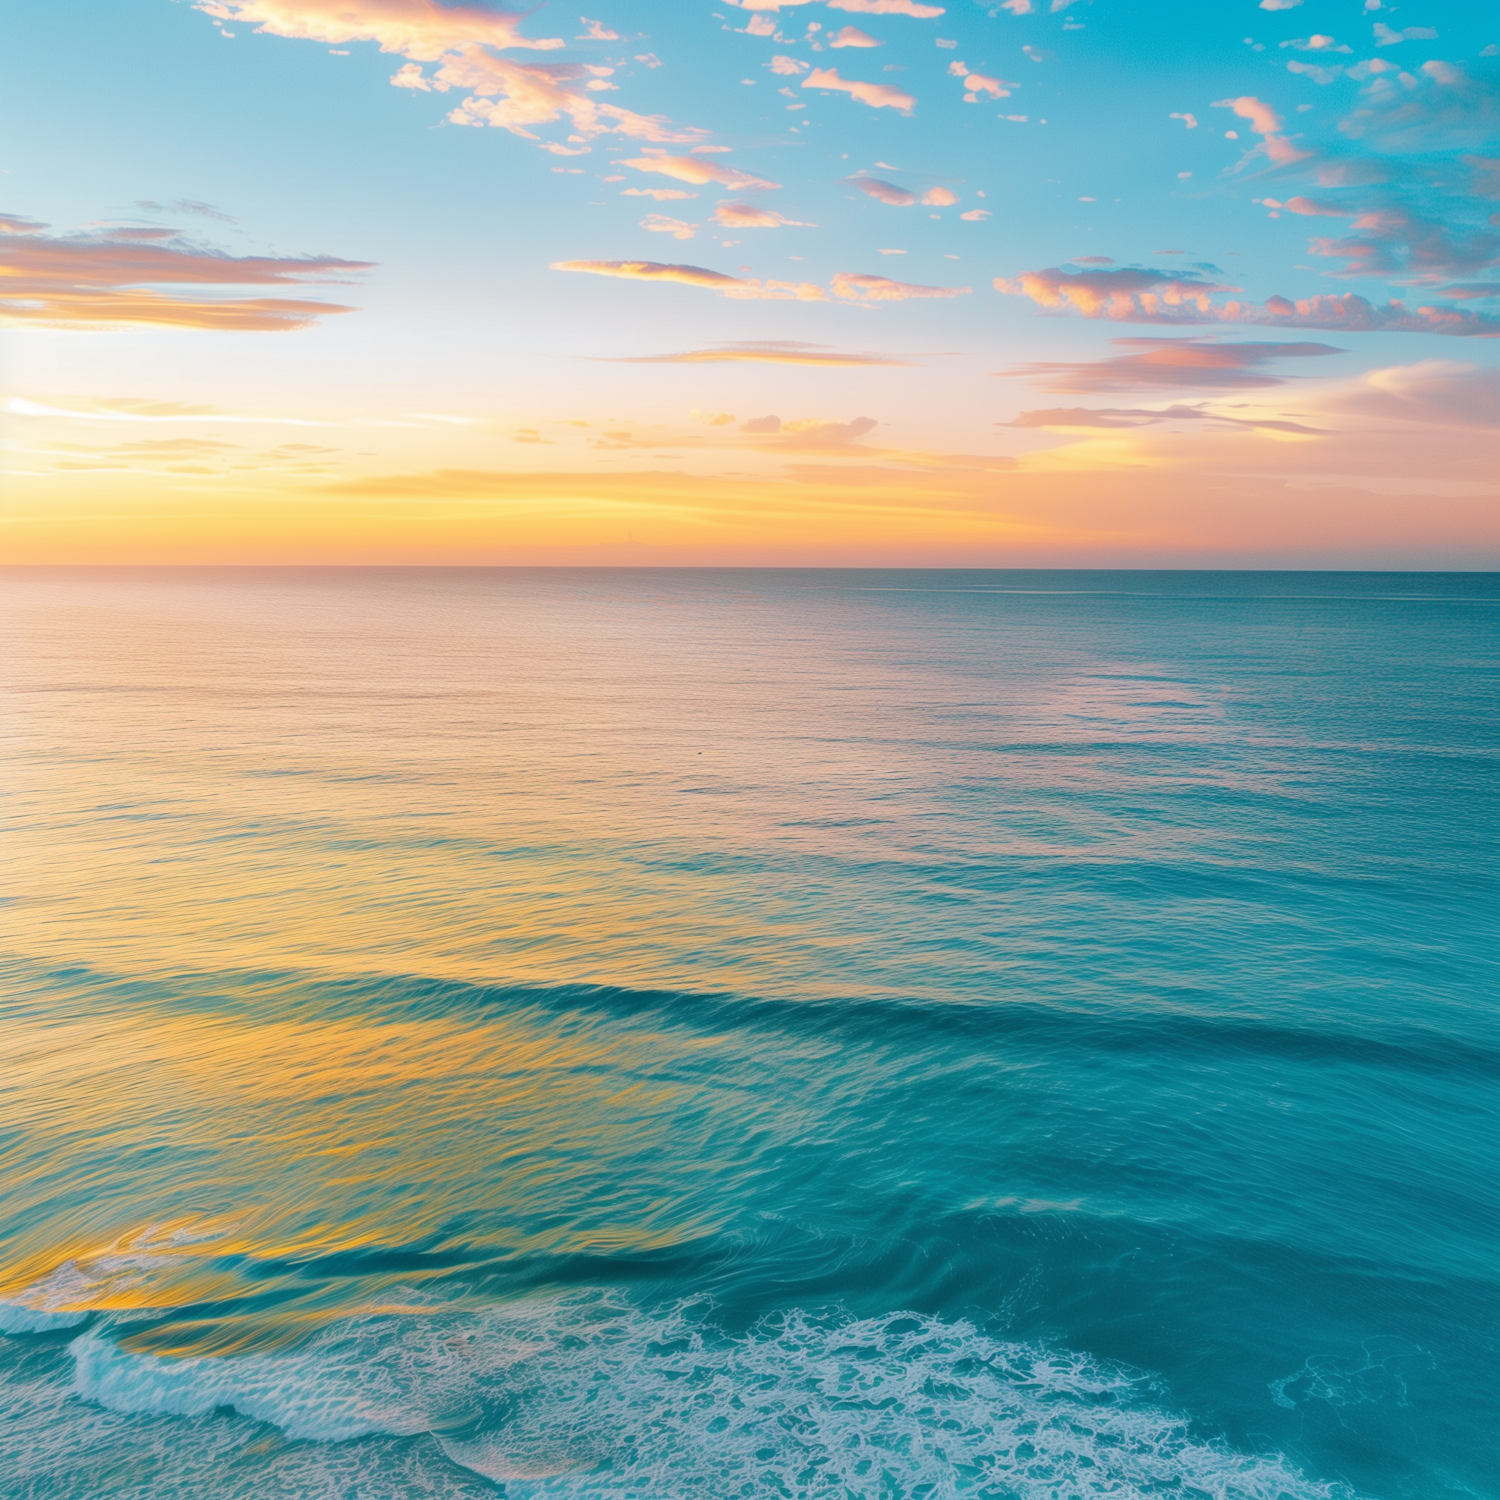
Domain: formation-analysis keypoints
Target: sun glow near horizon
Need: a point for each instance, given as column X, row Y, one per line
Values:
column 1047, row 286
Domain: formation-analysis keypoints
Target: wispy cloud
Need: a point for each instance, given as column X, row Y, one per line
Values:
column 848, row 286
column 1066, row 418
column 697, row 170
column 885, row 192
column 769, row 352
column 661, row 195
column 889, row 8
column 186, row 206
column 1133, row 294
column 463, row 41
column 661, row 224
column 1266, row 123
column 748, row 216
column 115, row 278
column 1170, row 364
column 1433, row 392
column 418, row 29
column 876, row 95
column 738, row 287
column 861, row 287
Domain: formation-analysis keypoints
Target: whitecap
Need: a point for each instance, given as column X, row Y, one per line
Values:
column 584, row 1397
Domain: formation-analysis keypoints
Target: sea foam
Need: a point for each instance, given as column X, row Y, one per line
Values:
column 587, row 1397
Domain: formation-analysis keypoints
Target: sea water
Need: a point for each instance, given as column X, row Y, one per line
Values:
column 682, row 1035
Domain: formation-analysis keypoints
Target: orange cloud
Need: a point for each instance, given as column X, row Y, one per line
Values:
column 740, row 288
column 116, row 278
column 515, row 96
column 421, row 29
column 463, row 40
column 748, row 216
column 661, row 224
column 860, row 287
column 876, row 95
column 696, row 170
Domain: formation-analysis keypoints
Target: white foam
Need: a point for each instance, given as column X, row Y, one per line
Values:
column 15, row 1317
column 586, row 1398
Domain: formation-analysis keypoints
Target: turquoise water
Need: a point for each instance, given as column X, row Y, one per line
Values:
column 668, row 1034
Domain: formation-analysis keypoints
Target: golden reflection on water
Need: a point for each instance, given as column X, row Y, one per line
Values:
column 479, row 776
column 300, row 1140
column 489, row 778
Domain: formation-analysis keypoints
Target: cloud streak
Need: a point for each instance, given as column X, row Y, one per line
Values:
column 1066, row 418
column 118, row 278
column 697, row 170
column 1133, row 294
column 748, row 216
column 770, row 352
column 1170, row 364
column 856, row 287
column 876, row 95
column 737, row 287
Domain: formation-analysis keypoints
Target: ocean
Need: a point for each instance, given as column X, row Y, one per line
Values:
column 699, row 1034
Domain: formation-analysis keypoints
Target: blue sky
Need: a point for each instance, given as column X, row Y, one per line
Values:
column 1248, row 187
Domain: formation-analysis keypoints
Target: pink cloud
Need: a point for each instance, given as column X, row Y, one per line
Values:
column 860, row 287
column 463, row 41
column 1310, row 207
column 976, row 84
column 876, row 95
column 695, row 170
column 888, row 8
column 1069, row 417
column 661, row 224
column 1170, row 364
column 517, row 96
column 1139, row 295
column 939, row 197
column 661, row 195
column 886, row 192
column 1435, row 392
column 748, row 216
column 850, row 286
column 852, row 36
column 1126, row 294
column 737, row 287
column 113, row 279
column 1393, row 241
column 418, row 29
column 1265, row 122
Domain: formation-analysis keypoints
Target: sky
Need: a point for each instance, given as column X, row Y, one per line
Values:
column 1103, row 283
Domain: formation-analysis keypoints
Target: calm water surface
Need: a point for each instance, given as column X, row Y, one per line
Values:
column 687, row 1035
